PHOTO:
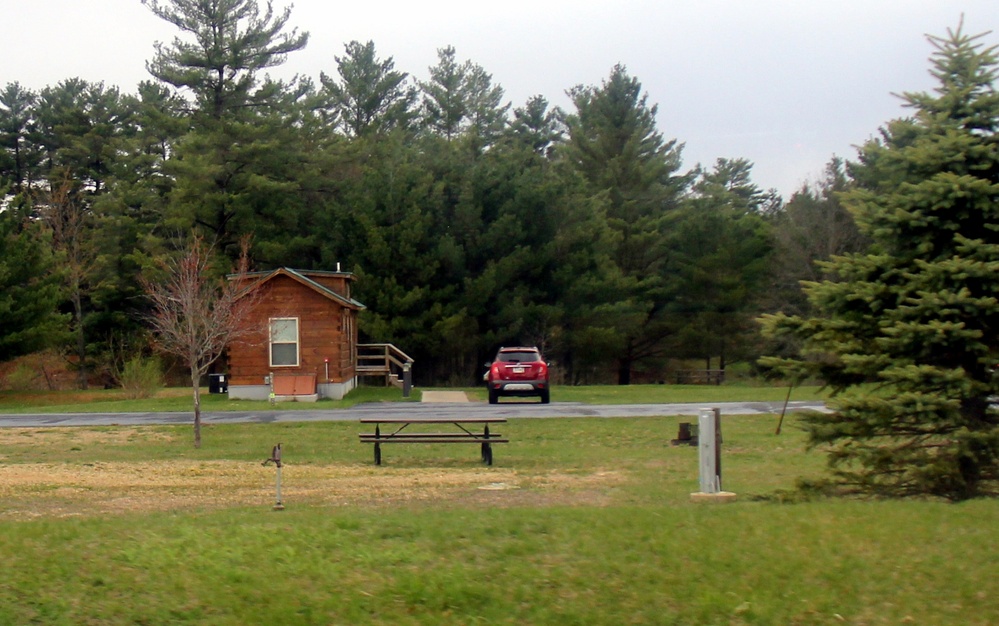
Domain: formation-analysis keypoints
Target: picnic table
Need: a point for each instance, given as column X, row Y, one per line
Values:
column 409, row 430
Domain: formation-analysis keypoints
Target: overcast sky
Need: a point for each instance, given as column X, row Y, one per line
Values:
column 784, row 83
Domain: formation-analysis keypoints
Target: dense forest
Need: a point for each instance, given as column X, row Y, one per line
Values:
column 470, row 222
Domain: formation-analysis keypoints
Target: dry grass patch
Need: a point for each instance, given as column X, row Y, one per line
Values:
column 83, row 474
column 61, row 437
column 33, row 490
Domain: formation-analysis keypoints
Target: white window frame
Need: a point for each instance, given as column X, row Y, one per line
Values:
column 271, row 342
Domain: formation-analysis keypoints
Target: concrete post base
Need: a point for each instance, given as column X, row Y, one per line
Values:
column 720, row 497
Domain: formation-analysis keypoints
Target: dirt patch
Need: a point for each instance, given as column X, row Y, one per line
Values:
column 75, row 488
column 35, row 490
column 79, row 436
column 444, row 396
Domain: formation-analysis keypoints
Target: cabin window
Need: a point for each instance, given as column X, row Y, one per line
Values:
column 284, row 341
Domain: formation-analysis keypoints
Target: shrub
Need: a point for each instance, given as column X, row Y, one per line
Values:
column 141, row 377
column 24, row 378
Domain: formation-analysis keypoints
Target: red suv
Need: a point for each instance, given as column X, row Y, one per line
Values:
column 519, row 372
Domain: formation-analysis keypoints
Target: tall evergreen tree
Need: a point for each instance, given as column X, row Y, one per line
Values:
column 460, row 100
column 129, row 221
column 371, row 96
column 30, row 290
column 235, row 169
column 615, row 145
column 812, row 226
column 487, row 115
column 21, row 153
column 379, row 223
column 908, row 331
column 444, row 103
column 83, row 130
column 537, row 125
column 721, row 244
column 232, row 42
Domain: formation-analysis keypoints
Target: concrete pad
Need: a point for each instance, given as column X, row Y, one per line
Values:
column 720, row 497
column 444, row 396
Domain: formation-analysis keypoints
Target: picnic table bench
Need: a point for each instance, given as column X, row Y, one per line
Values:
column 465, row 432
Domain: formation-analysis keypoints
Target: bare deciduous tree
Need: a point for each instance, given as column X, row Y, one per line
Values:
column 71, row 222
column 197, row 313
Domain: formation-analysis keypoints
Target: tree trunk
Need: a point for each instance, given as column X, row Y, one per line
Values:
column 197, row 406
column 624, row 371
column 81, row 341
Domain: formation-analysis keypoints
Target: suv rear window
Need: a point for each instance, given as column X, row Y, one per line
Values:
column 518, row 357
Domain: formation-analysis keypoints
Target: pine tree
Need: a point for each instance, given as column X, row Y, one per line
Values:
column 83, row 130
column 909, row 331
column 19, row 152
column 812, row 226
column 460, row 99
column 235, row 170
column 444, row 106
column 371, row 95
column 232, row 42
column 721, row 244
column 29, row 288
column 622, row 158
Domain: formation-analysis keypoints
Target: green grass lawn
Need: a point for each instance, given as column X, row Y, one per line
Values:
column 659, row 394
column 177, row 399
column 580, row 521
column 172, row 400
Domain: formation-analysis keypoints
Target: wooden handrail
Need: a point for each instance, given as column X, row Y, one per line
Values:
column 388, row 348
column 381, row 358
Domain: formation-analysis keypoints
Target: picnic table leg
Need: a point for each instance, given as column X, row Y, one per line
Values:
column 378, row 446
column 485, row 445
column 487, row 453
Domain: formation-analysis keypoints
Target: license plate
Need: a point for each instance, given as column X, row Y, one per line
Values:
column 519, row 370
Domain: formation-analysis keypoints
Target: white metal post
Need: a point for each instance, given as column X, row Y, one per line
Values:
column 707, row 451
column 718, row 448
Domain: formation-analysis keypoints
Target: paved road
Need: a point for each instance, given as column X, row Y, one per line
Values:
column 509, row 410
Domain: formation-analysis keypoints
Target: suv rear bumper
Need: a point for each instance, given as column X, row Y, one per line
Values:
column 518, row 387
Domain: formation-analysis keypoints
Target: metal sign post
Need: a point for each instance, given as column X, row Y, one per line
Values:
column 707, row 452
column 276, row 460
column 709, row 458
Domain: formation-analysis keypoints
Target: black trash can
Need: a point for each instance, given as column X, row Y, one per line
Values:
column 217, row 383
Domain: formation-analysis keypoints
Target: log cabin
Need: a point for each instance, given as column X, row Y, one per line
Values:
column 303, row 340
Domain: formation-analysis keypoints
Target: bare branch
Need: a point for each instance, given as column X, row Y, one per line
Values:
column 197, row 313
